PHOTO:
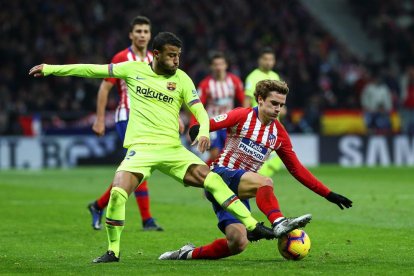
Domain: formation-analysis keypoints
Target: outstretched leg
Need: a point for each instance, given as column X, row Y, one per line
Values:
column 201, row 176
column 123, row 185
column 234, row 243
column 253, row 184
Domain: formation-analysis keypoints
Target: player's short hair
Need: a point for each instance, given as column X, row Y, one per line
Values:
column 139, row 20
column 266, row 50
column 264, row 87
column 215, row 55
column 165, row 38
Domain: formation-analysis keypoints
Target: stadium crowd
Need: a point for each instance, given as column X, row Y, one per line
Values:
column 392, row 22
column 321, row 72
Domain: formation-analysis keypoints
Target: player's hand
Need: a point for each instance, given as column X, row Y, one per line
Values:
column 193, row 132
column 203, row 143
column 99, row 127
column 339, row 200
column 37, row 71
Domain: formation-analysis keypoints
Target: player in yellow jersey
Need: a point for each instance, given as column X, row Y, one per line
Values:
column 264, row 71
column 157, row 92
column 140, row 35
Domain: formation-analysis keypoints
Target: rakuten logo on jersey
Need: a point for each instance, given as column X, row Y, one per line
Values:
column 253, row 149
column 148, row 93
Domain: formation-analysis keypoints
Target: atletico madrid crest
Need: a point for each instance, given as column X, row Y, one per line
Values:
column 171, row 86
column 272, row 140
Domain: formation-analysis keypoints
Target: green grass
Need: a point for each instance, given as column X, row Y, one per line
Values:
column 45, row 226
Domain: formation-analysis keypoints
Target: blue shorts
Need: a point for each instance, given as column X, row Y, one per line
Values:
column 121, row 127
column 218, row 138
column 232, row 178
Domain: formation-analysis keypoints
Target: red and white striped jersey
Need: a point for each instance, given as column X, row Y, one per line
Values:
column 218, row 97
column 249, row 144
column 122, row 110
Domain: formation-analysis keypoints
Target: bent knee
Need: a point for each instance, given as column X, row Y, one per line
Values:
column 118, row 196
column 268, row 182
column 196, row 175
column 239, row 245
column 197, row 170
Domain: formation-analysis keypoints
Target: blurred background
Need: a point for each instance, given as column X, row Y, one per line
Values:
column 330, row 52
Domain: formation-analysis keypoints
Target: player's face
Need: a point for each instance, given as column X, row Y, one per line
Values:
column 140, row 36
column 272, row 106
column 218, row 67
column 168, row 59
column 267, row 62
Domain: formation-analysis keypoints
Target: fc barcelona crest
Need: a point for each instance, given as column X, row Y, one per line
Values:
column 171, row 86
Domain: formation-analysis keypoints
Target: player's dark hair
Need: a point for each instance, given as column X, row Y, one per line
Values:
column 165, row 38
column 216, row 55
column 266, row 50
column 139, row 20
column 264, row 87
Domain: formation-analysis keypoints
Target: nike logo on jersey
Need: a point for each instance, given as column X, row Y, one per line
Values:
column 139, row 78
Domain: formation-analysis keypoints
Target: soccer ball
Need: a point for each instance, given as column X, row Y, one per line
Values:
column 295, row 245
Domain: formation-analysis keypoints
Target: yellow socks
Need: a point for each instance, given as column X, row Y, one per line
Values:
column 115, row 218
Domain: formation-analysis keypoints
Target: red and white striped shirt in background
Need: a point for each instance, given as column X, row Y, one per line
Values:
column 249, row 144
column 122, row 110
column 219, row 97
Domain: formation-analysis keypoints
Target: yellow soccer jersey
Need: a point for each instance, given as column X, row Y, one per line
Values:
column 253, row 78
column 155, row 100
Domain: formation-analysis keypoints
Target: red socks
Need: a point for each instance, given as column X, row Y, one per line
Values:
column 267, row 203
column 102, row 202
column 216, row 250
column 143, row 201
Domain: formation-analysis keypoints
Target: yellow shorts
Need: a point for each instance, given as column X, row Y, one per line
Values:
column 171, row 160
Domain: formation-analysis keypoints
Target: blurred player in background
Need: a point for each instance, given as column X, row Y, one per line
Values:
column 252, row 134
column 264, row 71
column 157, row 92
column 140, row 35
column 266, row 63
column 219, row 92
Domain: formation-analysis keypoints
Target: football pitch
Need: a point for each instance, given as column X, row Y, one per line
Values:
column 45, row 226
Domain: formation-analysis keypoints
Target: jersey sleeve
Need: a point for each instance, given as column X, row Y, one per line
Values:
column 192, row 101
column 203, row 94
column 295, row 167
column 78, row 70
column 116, row 59
column 239, row 91
column 249, row 86
column 276, row 76
column 121, row 70
column 228, row 119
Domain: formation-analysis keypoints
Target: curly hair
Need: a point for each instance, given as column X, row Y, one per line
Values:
column 264, row 87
